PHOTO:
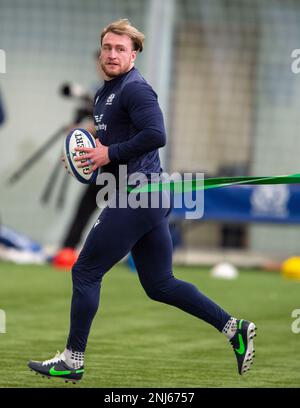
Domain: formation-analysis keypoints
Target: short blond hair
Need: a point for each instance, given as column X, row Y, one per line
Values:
column 124, row 27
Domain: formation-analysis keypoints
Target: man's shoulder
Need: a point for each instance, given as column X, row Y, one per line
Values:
column 134, row 75
column 135, row 82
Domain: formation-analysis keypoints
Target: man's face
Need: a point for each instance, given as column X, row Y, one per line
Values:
column 117, row 55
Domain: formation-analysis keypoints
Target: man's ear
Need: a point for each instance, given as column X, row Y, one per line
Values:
column 133, row 56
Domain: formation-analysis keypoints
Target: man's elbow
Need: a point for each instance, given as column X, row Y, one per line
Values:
column 160, row 138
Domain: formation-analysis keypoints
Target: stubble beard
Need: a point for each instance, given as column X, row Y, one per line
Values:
column 110, row 74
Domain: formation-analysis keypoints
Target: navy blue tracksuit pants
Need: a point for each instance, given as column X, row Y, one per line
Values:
column 145, row 232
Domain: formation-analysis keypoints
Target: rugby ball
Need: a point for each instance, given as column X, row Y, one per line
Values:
column 79, row 138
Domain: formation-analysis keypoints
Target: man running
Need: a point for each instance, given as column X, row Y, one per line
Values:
column 130, row 130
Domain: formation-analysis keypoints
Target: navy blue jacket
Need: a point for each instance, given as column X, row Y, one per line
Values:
column 129, row 120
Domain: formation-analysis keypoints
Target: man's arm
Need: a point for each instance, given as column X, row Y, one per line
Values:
column 141, row 103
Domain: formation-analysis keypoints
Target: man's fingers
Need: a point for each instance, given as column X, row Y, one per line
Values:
column 84, row 149
column 83, row 157
column 84, row 164
column 92, row 169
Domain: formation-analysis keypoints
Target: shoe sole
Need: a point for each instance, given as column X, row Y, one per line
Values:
column 66, row 380
column 250, row 352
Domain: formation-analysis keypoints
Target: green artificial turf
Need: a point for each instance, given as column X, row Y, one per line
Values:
column 136, row 342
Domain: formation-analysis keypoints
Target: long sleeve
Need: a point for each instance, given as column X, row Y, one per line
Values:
column 140, row 101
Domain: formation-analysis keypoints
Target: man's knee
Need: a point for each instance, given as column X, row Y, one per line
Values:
column 161, row 291
column 154, row 294
column 84, row 275
column 77, row 272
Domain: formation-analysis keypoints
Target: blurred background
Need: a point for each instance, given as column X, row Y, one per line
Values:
column 222, row 71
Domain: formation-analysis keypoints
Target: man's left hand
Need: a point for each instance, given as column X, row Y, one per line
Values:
column 95, row 156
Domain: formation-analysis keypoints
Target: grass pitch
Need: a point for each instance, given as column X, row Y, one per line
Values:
column 136, row 342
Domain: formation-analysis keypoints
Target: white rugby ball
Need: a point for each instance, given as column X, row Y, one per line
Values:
column 79, row 138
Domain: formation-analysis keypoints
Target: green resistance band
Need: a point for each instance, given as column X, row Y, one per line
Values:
column 204, row 184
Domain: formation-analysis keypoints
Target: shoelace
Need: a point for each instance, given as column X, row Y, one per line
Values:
column 56, row 359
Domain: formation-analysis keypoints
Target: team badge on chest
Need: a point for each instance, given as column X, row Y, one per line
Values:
column 110, row 99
